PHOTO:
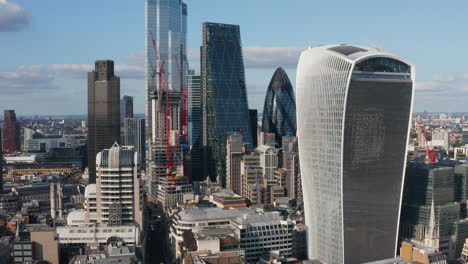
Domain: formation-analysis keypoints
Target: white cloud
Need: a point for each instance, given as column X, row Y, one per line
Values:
column 442, row 93
column 263, row 57
column 21, row 82
column 79, row 71
column 12, row 17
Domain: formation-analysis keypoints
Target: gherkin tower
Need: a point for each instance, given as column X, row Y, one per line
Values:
column 279, row 111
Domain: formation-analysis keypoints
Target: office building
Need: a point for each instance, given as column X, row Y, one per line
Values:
column 465, row 136
column 434, row 202
column 40, row 143
column 263, row 233
column 353, row 115
column 225, row 107
column 194, row 122
column 22, row 248
column 290, row 161
column 279, row 110
column 118, row 189
column 126, row 107
column 126, row 111
column 253, row 118
column 268, row 160
column 103, row 111
column 11, row 132
column 234, row 150
column 251, row 176
column 441, row 138
column 166, row 27
column 135, row 136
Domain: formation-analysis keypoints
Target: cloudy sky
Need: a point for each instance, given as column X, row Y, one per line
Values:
column 47, row 46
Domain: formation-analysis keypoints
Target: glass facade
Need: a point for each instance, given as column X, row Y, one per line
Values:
column 166, row 23
column 279, row 111
column 194, row 123
column 375, row 138
column 225, row 106
column 428, row 186
column 135, row 136
column 352, row 133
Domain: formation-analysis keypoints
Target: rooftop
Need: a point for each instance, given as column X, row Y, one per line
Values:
column 203, row 214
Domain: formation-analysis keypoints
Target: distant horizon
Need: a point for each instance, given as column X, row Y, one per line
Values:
column 44, row 63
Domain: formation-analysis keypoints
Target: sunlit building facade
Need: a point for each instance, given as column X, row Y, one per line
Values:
column 353, row 107
column 166, row 25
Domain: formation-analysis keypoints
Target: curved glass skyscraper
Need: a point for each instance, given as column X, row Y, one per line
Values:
column 353, row 107
column 279, row 111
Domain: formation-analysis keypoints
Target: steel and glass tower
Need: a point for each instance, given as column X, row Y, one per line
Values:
column 194, row 120
column 166, row 27
column 353, row 109
column 103, row 111
column 225, row 107
column 279, row 111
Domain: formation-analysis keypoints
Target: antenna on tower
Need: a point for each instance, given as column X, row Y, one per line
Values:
column 374, row 46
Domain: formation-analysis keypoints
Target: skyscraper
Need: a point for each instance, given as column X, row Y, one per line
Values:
column 194, row 120
column 119, row 196
column 126, row 107
column 225, row 106
column 253, row 119
column 11, row 132
column 103, row 111
column 166, row 27
column 126, row 110
column 354, row 107
column 135, row 136
column 279, row 111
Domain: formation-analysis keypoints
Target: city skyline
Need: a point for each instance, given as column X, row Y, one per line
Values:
column 63, row 73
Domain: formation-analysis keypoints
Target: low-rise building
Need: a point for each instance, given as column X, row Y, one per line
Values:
column 421, row 254
column 95, row 235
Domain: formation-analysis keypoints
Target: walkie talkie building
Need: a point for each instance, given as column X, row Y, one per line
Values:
column 353, row 113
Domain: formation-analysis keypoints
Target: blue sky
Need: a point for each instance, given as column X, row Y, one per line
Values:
column 46, row 46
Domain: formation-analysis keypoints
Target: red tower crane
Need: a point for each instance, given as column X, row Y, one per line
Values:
column 184, row 96
column 160, row 66
column 431, row 155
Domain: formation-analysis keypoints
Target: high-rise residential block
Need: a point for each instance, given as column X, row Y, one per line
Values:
column 11, row 132
column 224, row 96
column 234, row 150
column 194, row 122
column 135, row 136
column 279, row 111
column 353, row 115
column 103, row 111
